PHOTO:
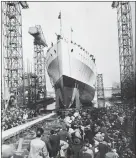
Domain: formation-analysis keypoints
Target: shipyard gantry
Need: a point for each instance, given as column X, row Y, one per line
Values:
column 39, row 58
column 25, row 87
column 12, row 46
column 100, row 91
column 27, row 90
column 126, row 52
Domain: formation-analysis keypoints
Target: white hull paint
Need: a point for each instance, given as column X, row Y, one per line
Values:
column 66, row 60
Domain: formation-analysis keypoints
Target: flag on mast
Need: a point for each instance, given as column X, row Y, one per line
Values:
column 59, row 17
column 71, row 29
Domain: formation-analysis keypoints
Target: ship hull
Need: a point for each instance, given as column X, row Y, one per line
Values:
column 72, row 75
column 67, row 89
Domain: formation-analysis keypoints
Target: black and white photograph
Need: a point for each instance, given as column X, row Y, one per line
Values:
column 68, row 79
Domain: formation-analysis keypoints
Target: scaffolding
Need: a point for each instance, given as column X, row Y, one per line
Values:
column 39, row 67
column 39, row 59
column 30, row 86
column 100, row 91
column 126, row 54
column 12, row 45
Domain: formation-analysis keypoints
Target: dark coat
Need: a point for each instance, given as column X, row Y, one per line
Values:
column 64, row 135
column 89, row 135
column 85, row 154
column 53, row 145
column 103, row 148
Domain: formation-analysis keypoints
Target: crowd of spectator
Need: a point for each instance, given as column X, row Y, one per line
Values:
column 86, row 133
column 101, row 133
column 15, row 116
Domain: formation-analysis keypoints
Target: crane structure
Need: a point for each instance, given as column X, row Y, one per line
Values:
column 12, row 45
column 126, row 54
column 39, row 58
column 30, row 84
column 100, row 91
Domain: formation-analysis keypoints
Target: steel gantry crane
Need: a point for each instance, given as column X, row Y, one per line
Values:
column 12, row 45
column 39, row 58
column 126, row 54
column 100, row 91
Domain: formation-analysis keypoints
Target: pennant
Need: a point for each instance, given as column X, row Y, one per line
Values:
column 59, row 17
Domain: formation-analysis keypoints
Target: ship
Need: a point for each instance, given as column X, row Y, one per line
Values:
column 72, row 72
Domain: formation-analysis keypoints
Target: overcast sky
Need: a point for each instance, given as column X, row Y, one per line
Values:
column 94, row 27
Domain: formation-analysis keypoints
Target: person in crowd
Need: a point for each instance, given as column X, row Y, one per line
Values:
column 64, row 138
column 7, row 151
column 38, row 147
column 121, row 118
column 25, row 116
column 54, row 142
column 111, row 154
column 103, row 128
column 103, row 147
column 68, row 120
column 86, row 151
column 98, row 137
column 89, row 134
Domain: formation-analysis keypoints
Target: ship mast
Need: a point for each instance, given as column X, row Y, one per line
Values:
column 59, row 17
